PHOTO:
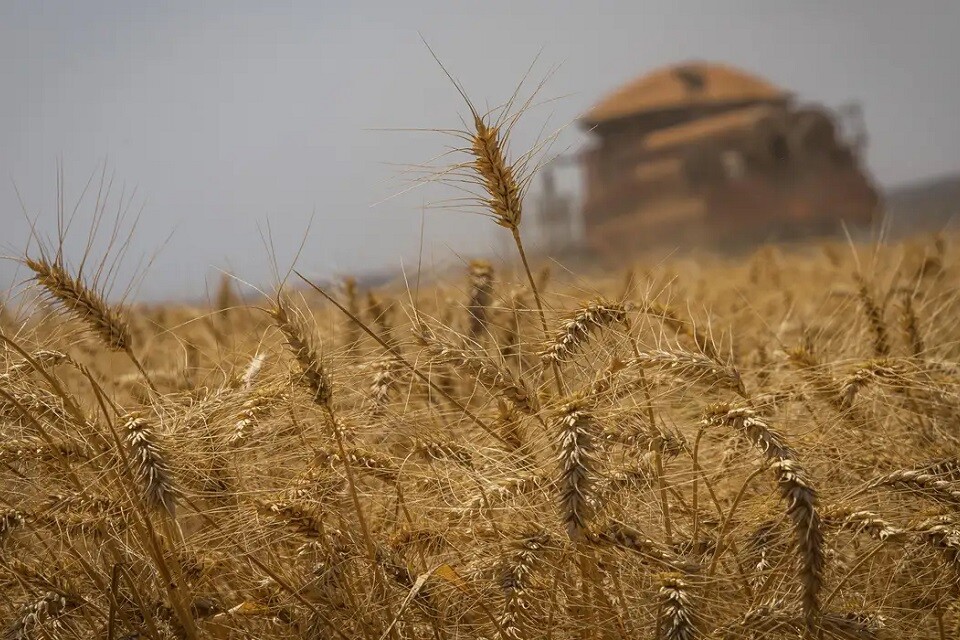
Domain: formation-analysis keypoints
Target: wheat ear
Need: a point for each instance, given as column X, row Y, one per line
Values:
column 504, row 190
column 10, row 520
column 87, row 304
column 50, row 606
column 152, row 471
column 575, row 438
column 910, row 324
column 881, row 342
column 515, row 578
column 300, row 341
column 676, row 612
column 570, row 338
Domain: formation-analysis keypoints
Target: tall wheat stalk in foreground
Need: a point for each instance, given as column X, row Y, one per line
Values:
column 87, row 305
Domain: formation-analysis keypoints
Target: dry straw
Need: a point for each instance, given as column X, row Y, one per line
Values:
column 498, row 379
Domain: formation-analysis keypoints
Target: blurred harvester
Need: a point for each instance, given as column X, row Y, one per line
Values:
column 703, row 154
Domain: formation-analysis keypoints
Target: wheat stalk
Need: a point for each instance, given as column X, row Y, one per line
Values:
column 672, row 319
column 624, row 537
column 499, row 380
column 481, row 293
column 497, row 177
column 691, row 366
column 380, row 313
column 796, row 491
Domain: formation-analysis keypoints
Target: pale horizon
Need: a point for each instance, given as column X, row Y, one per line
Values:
column 228, row 117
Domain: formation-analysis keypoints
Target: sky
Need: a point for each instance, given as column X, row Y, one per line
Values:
column 236, row 129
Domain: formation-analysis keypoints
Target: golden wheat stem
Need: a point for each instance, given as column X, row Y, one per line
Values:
column 316, row 378
column 273, row 575
column 658, row 441
column 695, row 498
column 143, row 372
column 148, row 534
column 351, row 484
column 728, row 519
column 862, row 561
column 557, row 378
column 658, row 462
column 119, row 571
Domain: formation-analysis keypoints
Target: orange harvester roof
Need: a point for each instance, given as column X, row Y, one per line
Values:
column 704, row 128
column 680, row 86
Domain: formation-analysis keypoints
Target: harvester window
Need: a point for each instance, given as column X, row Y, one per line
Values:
column 779, row 149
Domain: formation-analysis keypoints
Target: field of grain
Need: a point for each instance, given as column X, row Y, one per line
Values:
column 759, row 447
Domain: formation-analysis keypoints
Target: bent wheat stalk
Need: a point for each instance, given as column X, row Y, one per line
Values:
column 796, row 491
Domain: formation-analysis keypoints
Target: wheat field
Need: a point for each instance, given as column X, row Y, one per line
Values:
column 753, row 447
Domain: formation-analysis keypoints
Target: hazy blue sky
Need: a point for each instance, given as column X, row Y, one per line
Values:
column 224, row 115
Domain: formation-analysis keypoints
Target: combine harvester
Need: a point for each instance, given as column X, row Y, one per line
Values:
column 705, row 155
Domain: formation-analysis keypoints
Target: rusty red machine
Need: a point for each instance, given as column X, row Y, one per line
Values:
column 703, row 154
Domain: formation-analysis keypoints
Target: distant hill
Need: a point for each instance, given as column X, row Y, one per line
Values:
column 924, row 205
